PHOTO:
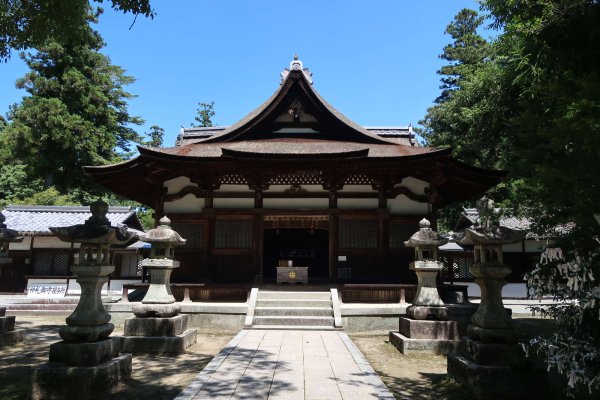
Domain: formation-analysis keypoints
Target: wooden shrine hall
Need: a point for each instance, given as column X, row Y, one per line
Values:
column 296, row 182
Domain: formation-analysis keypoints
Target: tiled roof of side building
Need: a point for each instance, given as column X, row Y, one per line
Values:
column 35, row 220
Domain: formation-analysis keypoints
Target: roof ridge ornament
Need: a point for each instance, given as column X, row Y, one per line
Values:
column 296, row 65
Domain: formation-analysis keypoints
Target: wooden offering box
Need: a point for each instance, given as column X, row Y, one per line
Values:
column 287, row 273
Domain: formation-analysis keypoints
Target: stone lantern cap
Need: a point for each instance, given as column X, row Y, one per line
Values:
column 425, row 236
column 494, row 235
column 8, row 235
column 163, row 234
column 96, row 229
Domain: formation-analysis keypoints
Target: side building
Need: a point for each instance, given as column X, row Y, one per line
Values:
column 41, row 259
column 295, row 180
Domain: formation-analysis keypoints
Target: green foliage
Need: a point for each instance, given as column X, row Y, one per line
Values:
column 15, row 184
column 32, row 24
column 75, row 114
column 205, row 112
column 531, row 106
column 155, row 136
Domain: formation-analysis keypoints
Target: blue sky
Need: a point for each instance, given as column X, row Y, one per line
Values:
column 375, row 61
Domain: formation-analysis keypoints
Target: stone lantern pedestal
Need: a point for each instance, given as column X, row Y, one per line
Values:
column 87, row 363
column 158, row 326
column 426, row 325
column 8, row 334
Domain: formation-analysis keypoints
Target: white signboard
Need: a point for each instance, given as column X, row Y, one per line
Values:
column 36, row 289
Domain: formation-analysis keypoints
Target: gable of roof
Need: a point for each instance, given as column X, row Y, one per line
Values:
column 296, row 110
column 35, row 220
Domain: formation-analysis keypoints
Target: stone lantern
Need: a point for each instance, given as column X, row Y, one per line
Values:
column 158, row 326
column 427, row 302
column 159, row 301
column 489, row 349
column 8, row 334
column 490, row 322
column 87, row 360
column 425, row 326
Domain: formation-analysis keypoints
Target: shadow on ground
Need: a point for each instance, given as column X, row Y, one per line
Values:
column 153, row 376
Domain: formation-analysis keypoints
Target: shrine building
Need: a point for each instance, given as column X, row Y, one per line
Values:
column 295, row 180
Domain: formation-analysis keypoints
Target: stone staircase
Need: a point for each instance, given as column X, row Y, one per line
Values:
column 291, row 310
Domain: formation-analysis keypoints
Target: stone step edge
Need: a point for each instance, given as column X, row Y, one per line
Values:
column 293, row 317
column 293, row 308
column 295, row 327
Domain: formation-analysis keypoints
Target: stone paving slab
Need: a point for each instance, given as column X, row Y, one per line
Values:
column 290, row 364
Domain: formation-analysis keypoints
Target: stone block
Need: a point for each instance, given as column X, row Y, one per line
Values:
column 425, row 312
column 156, row 310
column 407, row 345
column 55, row 381
column 159, row 344
column 492, row 335
column 12, row 337
column 429, row 329
column 490, row 353
column 156, row 326
column 491, row 382
column 84, row 354
column 7, row 324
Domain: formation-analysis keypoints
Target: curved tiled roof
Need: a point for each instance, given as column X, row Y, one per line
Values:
column 289, row 146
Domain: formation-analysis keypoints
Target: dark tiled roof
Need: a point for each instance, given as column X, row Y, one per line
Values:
column 289, row 146
column 30, row 220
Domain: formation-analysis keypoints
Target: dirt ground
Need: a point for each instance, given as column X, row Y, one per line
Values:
column 419, row 376
column 153, row 376
column 416, row 376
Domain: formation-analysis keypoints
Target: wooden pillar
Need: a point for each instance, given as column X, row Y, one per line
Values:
column 333, row 245
column 258, row 244
column 208, row 199
column 333, row 198
column 258, row 198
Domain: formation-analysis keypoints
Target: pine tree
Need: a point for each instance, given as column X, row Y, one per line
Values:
column 204, row 114
column 75, row 113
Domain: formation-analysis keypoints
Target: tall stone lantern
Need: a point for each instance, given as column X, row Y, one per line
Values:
column 158, row 326
column 87, row 360
column 489, row 348
column 427, row 302
column 490, row 322
column 8, row 334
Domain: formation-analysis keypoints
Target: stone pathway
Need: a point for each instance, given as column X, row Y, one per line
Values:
column 290, row 365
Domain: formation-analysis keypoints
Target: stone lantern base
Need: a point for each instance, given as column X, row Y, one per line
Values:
column 83, row 378
column 496, row 371
column 440, row 337
column 158, row 335
column 8, row 334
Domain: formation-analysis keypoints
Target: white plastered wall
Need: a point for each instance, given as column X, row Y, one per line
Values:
column 296, row 203
column 187, row 204
column 24, row 245
column 354, row 204
column 233, row 203
column 176, row 184
column 403, row 205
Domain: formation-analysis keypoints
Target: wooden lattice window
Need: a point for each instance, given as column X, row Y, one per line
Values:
column 131, row 265
column 358, row 234
column 193, row 233
column 457, row 268
column 399, row 233
column 51, row 263
column 233, row 234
